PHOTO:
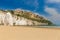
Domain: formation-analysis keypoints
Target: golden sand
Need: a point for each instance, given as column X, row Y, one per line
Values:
column 28, row 33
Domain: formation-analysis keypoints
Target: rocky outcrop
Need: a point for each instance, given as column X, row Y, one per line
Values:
column 20, row 17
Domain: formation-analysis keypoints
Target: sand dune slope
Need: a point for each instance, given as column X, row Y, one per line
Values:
column 28, row 33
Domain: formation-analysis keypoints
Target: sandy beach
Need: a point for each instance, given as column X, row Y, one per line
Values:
column 28, row 33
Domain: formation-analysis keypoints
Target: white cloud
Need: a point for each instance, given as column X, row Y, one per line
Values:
column 55, row 16
column 36, row 3
column 53, row 1
column 32, row 3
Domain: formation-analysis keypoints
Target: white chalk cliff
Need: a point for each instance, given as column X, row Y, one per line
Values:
column 6, row 18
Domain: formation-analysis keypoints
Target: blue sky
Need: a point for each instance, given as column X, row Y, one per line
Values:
column 47, row 8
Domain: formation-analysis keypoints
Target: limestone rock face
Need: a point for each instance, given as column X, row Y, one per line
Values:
column 19, row 17
column 6, row 19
